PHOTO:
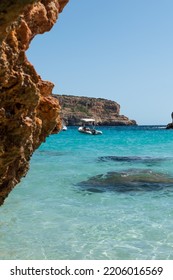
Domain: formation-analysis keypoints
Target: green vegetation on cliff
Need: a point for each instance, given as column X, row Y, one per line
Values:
column 105, row 112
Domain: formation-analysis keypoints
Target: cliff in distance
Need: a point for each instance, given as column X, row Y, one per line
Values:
column 105, row 112
column 28, row 112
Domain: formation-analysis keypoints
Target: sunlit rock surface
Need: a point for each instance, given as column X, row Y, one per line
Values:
column 28, row 112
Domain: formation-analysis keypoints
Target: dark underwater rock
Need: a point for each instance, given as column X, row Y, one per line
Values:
column 133, row 180
column 131, row 159
column 119, row 158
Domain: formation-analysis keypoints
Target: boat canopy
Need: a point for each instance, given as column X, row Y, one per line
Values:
column 88, row 120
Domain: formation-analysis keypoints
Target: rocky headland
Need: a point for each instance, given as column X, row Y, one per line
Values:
column 169, row 126
column 28, row 111
column 105, row 112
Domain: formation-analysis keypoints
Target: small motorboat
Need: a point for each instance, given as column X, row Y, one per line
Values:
column 64, row 128
column 90, row 128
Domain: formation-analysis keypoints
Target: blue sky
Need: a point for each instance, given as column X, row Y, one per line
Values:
column 120, row 50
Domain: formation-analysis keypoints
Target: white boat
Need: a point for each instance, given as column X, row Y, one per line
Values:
column 64, row 128
column 90, row 128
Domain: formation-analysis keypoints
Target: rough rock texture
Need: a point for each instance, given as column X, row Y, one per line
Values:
column 28, row 112
column 105, row 112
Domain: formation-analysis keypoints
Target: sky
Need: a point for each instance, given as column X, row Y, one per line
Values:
column 121, row 50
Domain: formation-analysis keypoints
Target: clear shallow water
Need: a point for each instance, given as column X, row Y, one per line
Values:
column 49, row 216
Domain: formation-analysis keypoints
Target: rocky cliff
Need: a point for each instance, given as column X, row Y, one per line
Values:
column 105, row 112
column 28, row 112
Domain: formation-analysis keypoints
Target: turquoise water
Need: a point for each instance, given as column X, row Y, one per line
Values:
column 61, row 211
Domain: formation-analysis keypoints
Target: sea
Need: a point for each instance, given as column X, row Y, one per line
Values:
column 94, row 197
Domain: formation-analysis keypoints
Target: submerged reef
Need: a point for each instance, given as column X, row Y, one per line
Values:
column 148, row 161
column 132, row 180
column 28, row 111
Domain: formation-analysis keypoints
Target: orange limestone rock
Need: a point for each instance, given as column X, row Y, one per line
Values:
column 28, row 111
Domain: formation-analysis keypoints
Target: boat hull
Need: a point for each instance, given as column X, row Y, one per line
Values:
column 89, row 131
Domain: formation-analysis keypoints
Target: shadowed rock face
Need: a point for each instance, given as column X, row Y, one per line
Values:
column 28, row 112
column 134, row 180
column 169, row 126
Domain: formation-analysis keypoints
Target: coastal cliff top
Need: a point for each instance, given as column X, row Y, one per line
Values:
column 104, row 111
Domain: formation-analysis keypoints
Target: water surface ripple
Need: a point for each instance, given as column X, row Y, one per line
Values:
column 106, row 197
